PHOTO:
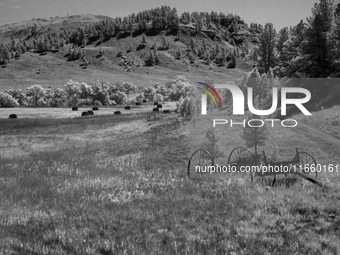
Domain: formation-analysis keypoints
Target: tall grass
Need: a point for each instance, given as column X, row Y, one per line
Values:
column 79, row 200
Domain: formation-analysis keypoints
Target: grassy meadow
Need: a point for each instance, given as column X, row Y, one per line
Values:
column 112, row 185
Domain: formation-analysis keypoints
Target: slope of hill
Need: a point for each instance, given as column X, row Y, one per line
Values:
column 39, row 51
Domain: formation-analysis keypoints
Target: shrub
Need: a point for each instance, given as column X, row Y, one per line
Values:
column 158, row 98
column 84, row 102
column 7, row 100
column 36, row 92
column 119, row 97
column 97, row 103
column 41, row 102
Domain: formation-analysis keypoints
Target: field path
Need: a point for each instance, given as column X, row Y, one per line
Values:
column 318, row 134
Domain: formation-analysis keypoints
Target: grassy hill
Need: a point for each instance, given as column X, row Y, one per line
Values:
column 52, row 68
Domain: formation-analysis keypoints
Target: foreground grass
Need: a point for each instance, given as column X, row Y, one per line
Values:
column 79, row 201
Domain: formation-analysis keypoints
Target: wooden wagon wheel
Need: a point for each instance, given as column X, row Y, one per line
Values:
column 200, row 158
column 263, row 181
column 241, row 157
column 308, row 161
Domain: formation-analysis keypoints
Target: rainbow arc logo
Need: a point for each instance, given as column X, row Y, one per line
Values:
column 208, row 92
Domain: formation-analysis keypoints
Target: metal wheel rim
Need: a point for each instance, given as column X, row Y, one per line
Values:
column 200, row 157
column 240, row 156
column 307, row 159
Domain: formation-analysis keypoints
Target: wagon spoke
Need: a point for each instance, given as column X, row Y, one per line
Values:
column 308, row 164
column 200, row 158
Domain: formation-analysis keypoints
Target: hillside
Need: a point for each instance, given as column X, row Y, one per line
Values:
column 38, row 51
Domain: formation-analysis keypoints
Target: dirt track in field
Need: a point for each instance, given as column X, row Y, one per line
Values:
column 317, row 134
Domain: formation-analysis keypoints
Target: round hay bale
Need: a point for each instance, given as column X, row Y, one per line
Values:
column 155, row 103
column 159, row 106
column 74, row 108
column 127, row 108
column 95, row 108
column 13, row 116
column 117, row 112
column 137, row 103
column 84, row 113
column 90, row 112
column 167, row 112
column 155, row 110
column 144, row 101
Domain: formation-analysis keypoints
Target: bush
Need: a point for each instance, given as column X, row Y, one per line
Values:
column 42, row 103
column 158, row 98
column 84, row 102
column 7, row 100
column 97, row 103
column 119, row 97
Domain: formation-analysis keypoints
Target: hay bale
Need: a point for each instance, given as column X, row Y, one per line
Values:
column 167, row 112
column 159, row 106
column 155, row 110
column 137, row 103
column 155, row 103
column 74, row 108
column 127, row 108
column 95, row 108
column 90, row 112
column 144, row 101
column 117, row 112
column 13, row 116
column 84, row 114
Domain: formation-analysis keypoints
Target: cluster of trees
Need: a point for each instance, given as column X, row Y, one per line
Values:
column 73, row 94
column 309, row 49
column 79, row 94
column 153, row 20
column 34, row 41
column 224, row 27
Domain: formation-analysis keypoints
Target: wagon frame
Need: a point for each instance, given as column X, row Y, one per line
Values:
column 240, row 156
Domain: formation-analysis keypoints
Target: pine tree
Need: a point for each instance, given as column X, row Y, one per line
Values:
column 208, row 58
column 205, row 47
column 319, row 40
column 157, row 59
column 210, row 144
column 267, row 46
column 164, row 43
column 144, row 40
column 255, row 136
column 178, row 54
column 283, row 37
column 151, row 59
column 232, row 63
column 192, row 43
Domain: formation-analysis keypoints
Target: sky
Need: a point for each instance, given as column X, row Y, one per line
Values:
column 279, row 12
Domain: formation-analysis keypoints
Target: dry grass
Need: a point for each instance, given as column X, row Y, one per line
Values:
column 327, row 120
column 92, row 198
column 58, row 113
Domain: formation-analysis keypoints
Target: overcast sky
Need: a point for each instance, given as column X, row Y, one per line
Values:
column 279, row 12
